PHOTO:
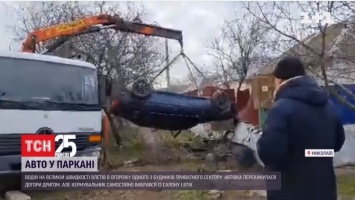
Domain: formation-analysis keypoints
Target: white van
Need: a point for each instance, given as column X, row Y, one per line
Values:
column 46, row 95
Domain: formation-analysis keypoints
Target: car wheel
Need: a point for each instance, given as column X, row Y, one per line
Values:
column 243, row 155
column 221, row 101
column 141, row 88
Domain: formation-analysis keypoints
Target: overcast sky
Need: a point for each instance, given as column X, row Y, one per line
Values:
column 200, row 23
column 5, row 21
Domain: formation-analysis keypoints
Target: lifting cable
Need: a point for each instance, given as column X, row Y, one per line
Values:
column 187, row 61
column 165, row 67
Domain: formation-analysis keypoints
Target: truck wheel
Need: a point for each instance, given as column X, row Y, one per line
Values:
column 141, row 88
column 221, row 101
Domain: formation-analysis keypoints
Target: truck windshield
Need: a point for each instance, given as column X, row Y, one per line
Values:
column 23, row 80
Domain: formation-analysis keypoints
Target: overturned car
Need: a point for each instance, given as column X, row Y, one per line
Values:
column 147, row 107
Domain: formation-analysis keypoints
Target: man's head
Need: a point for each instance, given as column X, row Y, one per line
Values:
column 287, row 68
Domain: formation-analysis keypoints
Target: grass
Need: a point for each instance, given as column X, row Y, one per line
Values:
column 171, row 142
column 346, row 185
column 133, row 144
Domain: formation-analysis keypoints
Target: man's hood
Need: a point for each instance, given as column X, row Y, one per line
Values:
column 303, row 89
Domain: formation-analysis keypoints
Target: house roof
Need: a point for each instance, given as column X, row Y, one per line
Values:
column 314, row 40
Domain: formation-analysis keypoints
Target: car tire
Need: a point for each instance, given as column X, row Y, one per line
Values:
column 141, row 88
column 221, row 101
column 244, row 156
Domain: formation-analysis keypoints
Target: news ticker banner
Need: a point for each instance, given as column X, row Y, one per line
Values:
column 150, row 181
column 59, row 164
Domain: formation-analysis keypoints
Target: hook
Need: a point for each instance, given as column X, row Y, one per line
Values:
column 181, row 45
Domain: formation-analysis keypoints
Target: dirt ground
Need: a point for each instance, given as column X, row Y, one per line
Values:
column 135, row 155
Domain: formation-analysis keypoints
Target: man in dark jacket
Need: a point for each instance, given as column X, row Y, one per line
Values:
column 302, row 117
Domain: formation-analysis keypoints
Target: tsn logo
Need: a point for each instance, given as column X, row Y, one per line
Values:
column 322, row 18
column 44, row 145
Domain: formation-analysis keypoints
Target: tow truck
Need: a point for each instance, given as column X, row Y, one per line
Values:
column 42, row 94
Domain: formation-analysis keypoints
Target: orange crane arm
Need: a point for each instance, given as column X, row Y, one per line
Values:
column 90, row 24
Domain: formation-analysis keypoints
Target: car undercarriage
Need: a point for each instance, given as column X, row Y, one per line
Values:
column 170, row 111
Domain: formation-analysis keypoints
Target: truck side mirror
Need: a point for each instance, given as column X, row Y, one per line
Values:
column 108, row 86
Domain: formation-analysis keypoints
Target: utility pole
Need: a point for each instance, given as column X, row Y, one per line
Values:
column 167, row 62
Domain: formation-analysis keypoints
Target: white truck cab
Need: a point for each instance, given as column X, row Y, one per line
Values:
column 42, row 94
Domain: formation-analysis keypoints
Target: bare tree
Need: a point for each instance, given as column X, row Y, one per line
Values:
column 319, row 44
column 123, row 56
column 241, row 47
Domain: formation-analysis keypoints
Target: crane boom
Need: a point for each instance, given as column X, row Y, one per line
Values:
column 95, row 24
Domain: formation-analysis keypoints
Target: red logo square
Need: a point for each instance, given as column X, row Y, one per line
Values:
column 37, row 145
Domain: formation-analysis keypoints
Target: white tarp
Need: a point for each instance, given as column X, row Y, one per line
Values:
column 346, row 156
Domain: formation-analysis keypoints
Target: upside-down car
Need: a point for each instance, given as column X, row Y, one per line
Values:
column 147, row 107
